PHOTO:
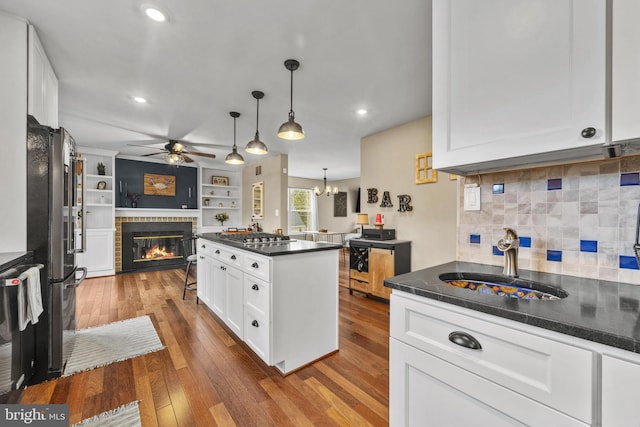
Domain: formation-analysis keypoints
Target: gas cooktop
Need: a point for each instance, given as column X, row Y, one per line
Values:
column 256, row 238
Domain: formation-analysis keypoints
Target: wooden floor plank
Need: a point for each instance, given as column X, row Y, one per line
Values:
column 206, row 377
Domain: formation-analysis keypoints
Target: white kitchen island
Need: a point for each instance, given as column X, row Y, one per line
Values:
column 281, row 300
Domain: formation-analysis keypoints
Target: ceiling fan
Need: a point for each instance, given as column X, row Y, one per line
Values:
column 177, row 153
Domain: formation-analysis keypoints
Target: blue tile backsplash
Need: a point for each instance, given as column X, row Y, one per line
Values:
column 577, row 219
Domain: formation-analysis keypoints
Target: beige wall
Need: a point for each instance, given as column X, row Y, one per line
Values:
column 388, row 164
column 274, row 174
column 325, row 204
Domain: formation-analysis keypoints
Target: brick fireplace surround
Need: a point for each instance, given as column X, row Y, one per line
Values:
column 121, row 219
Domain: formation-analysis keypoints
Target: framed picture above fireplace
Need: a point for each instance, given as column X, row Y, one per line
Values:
column 159, row 185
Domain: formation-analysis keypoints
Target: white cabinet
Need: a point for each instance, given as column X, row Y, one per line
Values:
column 220, row 192
column 625, row 70
column 205, row 270
column 515, row 374
column 516, row 83
column 620, row 390
column 43, row 84
column 265, row 301
column 99, row 214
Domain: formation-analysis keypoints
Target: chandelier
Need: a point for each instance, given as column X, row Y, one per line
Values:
column 327, row 188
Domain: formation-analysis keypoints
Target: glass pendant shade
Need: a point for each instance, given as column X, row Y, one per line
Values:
column 255, row 146
column 290, row 129
column 234, row 158
column 175, row 159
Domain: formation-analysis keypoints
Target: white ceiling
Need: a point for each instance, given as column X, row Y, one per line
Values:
column 204, row 63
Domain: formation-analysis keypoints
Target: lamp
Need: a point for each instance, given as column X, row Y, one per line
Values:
column 290, row 129
column 234, row 158
column 363, row 219
column 327, row 188
column 175, row 159
column 256, row 146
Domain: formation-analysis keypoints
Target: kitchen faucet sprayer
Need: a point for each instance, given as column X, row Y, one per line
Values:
column 509, row 245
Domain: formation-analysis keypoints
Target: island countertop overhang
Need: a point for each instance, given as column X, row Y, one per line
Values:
column 276, row 248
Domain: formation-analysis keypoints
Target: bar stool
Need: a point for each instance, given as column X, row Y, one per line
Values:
column 189, row 245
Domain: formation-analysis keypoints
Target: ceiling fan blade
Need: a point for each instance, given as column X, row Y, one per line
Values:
column 186, row 158
column 153, row 154
column 194, row 153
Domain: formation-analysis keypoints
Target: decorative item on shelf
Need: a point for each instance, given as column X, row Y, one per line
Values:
column 101, row 169
column 222, row 217
column 234, row 158
column 212, row 192
column 255, row 146
column 362, row 220
column 233, row 203
column 327, row 188
column 379, row 224
column 102, row 185
column 79, row 164
column 323, row 230
column 290, row 129
column 134, row 199
column 220, row 205
column 228, row 193
column 219, row 180
column 206, row 202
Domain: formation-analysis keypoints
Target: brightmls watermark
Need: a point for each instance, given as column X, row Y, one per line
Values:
column 34, row 415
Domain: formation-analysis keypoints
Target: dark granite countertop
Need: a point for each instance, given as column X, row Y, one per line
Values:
column 8, row 259
column 595, row 310
column 275, row 249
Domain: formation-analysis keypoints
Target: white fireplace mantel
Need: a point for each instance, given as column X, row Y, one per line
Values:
column 151, row 212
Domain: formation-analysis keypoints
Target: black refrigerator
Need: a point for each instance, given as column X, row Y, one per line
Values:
column 54, row 209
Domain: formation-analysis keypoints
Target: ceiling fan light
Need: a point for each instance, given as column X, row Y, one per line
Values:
column 175, row 159
column 290, row 129
column 255, row 146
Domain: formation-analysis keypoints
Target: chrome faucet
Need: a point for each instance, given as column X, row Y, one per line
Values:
column 509, row 245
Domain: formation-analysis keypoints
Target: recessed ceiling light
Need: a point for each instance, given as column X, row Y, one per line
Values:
column 139, row 99
column 155, row 14
column 361, row 112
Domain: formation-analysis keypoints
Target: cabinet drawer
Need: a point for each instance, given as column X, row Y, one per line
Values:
column 359, row 285
column 359, row 275
column 258, row 266
column 554, row 373
column 256, row 333
column 229, row 256
column 205, row 247
column 256, row 295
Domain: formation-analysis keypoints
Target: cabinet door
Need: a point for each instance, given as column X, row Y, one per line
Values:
column 427, row 391
column 43, row 84
column 620, row 391
column 235, row 300
column 625, row 70
column 381, row 266
column 205, row 269
column 218, row 289
column 99, row 254
column 516, row 78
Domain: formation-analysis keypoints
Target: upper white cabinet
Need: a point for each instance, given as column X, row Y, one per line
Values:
column 42, row 84
column 625, row 70
column 517, row 82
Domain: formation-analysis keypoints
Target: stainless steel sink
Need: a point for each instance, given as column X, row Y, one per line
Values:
column 511, row 287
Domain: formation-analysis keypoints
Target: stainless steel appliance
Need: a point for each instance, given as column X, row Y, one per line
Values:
column 55, row 185
column 16, row 342
column 256, row 238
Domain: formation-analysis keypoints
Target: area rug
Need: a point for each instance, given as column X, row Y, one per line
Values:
column 124, row 416
column 114, row 342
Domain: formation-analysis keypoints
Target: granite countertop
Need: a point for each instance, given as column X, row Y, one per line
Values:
column 595, row 310
column 274, row 249
column 8, row 259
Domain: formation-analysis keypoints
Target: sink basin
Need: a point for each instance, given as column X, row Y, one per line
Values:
column 511, row 287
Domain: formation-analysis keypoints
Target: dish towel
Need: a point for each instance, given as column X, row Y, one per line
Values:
column 29, row 299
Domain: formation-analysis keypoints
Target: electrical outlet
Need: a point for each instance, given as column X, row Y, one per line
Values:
column 471, row 198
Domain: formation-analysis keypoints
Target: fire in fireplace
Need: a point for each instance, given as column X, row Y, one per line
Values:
column 153, row 245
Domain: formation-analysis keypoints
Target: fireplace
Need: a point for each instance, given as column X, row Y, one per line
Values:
column 153, row 245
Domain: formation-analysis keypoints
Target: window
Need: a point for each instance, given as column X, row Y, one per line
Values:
column 303, row 214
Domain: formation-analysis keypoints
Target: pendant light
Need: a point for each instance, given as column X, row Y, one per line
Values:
column 327, row 188
column 256, row 146
column 234, row 158
column 290, row 129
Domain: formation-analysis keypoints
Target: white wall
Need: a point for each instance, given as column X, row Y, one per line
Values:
column 13, row 133
column 274, row 174
column 388, row 164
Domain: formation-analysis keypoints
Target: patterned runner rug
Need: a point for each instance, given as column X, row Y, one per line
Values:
column 124, row 416
column 114, row 342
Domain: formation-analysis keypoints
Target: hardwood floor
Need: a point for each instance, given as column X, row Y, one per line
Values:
column 205, row 377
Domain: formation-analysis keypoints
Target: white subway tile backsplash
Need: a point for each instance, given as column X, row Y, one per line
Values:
column 558, row 207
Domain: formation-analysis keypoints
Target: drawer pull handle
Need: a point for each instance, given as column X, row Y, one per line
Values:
column 255, row 323
column 588, row 132
column 201, row 257
column 233, row 257
column 203, row 246
column 463, row 339
column 255, row 287
column 255, row 265
column 217, row 252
